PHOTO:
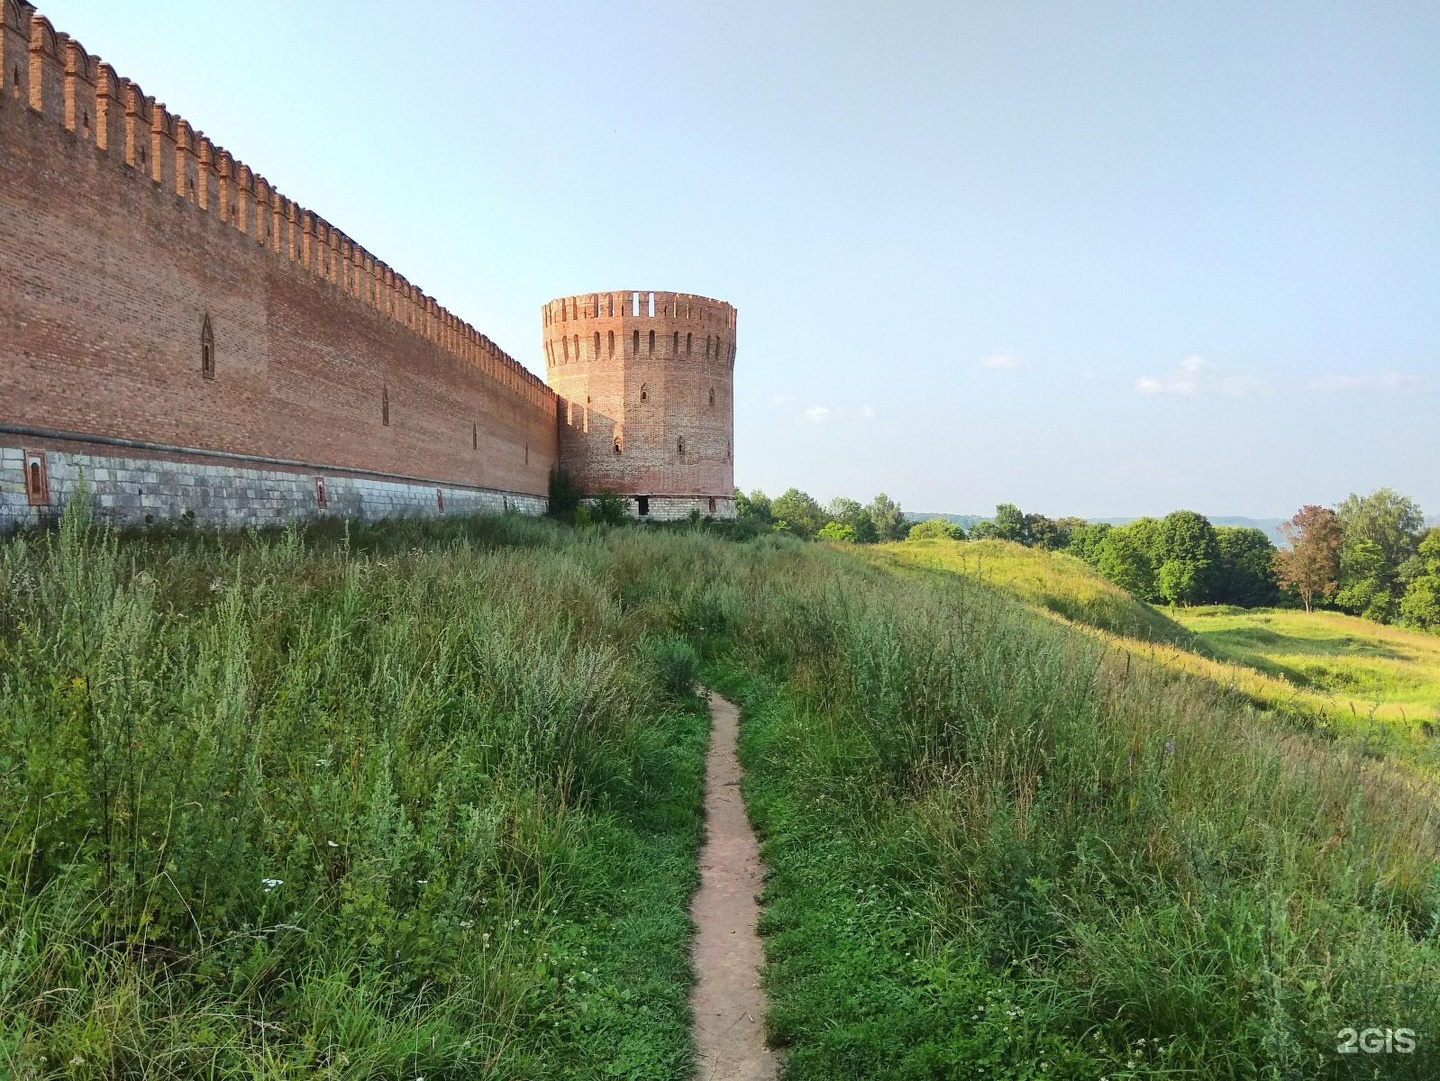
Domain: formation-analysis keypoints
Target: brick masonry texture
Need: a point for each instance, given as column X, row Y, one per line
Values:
column 124, row 234
column 646, row 404
column 159, row 293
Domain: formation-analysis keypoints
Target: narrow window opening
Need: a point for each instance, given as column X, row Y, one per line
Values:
column 680, row 445
column 565, row 345
column 612, row 341
column 439, row 500
column 652, row 305
column 617, row 444
column 644, row 392
column 675, row 345
column 712, row 397
column 612, row 304
column 207, row 349
column 564, row 311
column 597, row 308
column 634, row 304
column 635, row 344
column 587, row 399
column 642, row 505
column 689, row 344
column 577, row 348
column 321, row 500
column 37, row 479
column 385, row 404
column 527, row 453
column 652, row 341
column 597, row 343
column 474, row 436
column 712, row 504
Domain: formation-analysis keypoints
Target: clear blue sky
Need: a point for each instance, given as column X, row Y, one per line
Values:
column 1097, row 259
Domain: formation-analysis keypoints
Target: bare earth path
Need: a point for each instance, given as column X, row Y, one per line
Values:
column 729, row 1007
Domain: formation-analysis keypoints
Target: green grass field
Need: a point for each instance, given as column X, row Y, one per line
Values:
column 1354, row 679
column 421, row 799
column 1390, row 671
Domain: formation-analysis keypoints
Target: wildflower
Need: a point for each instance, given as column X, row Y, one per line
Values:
column 331, row 844
column 271, row 883
column 1170, row 747
column 421, row 881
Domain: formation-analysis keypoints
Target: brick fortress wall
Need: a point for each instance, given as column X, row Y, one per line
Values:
column 159, row 293
column 645, row 397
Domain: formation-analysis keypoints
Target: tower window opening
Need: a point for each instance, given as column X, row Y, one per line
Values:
column 635, row 344
column 565, row 346
column 642, row 505
column 475, row 437
column 597, row 305
column 675, row 345
column 652, row 341
column 577, row 347
column 689, row 344
column 207, row 349
column 612, row 340
column 617, row 444
column 712, row 397
column 612, row 303
column 644, row 392
column 385, row 404
column 712, row 504
column 680, row 445
column 597, row 343
column 321, row 500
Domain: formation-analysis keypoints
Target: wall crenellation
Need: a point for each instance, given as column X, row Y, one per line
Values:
column 55, row 77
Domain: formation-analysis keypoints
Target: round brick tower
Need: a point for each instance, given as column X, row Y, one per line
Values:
column 644, row 385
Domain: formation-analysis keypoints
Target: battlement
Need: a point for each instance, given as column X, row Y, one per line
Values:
column 629, row 323
column 640, row 304
column 60, row 83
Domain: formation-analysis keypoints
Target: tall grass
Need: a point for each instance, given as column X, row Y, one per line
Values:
column 997, row 844
column 339, row 803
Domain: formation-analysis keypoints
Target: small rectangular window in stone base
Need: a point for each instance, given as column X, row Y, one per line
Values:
column 37, row 479
column 642, row 505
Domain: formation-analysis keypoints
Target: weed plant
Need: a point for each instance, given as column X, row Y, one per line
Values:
column 999, row 848
column 416, row 799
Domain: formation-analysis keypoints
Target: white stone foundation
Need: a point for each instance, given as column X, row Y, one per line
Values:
column 136, row 491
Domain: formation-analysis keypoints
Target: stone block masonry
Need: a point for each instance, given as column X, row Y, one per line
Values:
column 158, row 291
column 127, row 490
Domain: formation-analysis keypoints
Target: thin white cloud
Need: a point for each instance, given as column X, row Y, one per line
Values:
column 820, row 414
column 1382, row 381
column 1193, row 376
column 1007, row 359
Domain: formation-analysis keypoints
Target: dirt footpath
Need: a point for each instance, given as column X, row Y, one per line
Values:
column 729, row 1007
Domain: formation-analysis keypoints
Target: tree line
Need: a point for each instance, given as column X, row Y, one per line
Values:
column 1370, row 556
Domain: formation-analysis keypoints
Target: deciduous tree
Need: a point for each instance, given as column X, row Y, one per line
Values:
column 1311, row 564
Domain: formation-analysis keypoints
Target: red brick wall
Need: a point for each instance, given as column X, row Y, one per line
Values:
column 121, row 229
column 601, row 395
